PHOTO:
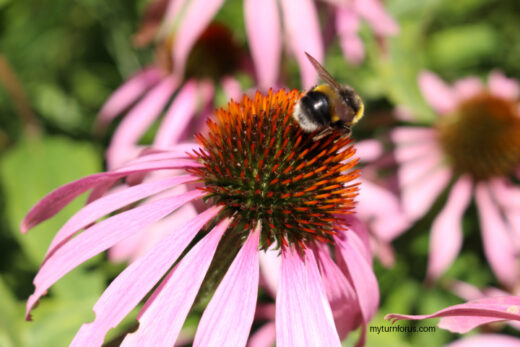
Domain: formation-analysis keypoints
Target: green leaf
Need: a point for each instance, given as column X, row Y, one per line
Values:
column 34, row 168
column 462, row 46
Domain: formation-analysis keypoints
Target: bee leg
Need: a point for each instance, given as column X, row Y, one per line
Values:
column 322, row 134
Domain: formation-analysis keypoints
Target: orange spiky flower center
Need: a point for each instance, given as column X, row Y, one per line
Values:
column 266, row 172
column 482, row 137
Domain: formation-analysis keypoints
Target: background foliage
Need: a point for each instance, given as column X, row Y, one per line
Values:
column 59, row 61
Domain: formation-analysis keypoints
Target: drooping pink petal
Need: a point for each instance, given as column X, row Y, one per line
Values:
column 410, row 135
column 347, row 26
column 130, row 287
column 270, row 266
column 507, row 194
column 468, row 87
column 197, row 16
column 303, row 314
column 231, row 87
column 464, row 317
column 419, row 150
column 100, row 237
column 414, row 171
column 357, row 233
column 234, row 301
column 127, row 94
column 53, row 202
column 164, row 316
column 174, row 9
column 303, row 35
column 418, row 198
column 133, row 126
column 369, row 150
column 264, row 36
column 178, row 116
column 340, row 293
column 382, row 209
column 496, row 238
column 363, row 278
column 437, row 93
column 446, row 234
column 132, row 248
column 105, row 205
column 486, row 340
column 375, row 14
column 502, row 86
column 264, row 336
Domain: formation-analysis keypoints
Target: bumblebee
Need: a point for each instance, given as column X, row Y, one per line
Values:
column 328, row 107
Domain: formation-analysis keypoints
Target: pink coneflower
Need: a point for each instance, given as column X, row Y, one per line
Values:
column 192, row 60
column 464, row 317
column 474, row 142
column 264, row 183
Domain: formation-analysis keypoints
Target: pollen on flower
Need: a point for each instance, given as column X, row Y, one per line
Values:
column 481, row 138
column 262, row 168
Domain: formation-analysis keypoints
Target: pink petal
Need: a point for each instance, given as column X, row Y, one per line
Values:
column 502, row 86
column 100, row 237
column 163, row 318
column 506, row 193
column 357, row 235
column 462, row 318
column 446, row 234
column 347, row 26
column 466, row 291
column 127, row 94
column 132, row 248
column 270, row 266
column 382, row 209
column 264, row 336
column 419, row 197
column 197, row 16
column 438, row 94
column 178, row 116
column 467, row 88
column 303, row 35
column 137, row 121
column 264, row 36
column 340, row 293
column 369, row 150
column 496, row 238
column 375, row 14
column 410, row 135
column 486, row 340
column 103, row 206
column 174, row 9
column 234, row 301
column 363, row 278
column 231, row 87
column 303, row 315
column 418, row 150
column 125, row 292
column 414, row 171
column 53, row 202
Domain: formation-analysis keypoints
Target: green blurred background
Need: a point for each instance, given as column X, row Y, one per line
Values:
column 61, row 59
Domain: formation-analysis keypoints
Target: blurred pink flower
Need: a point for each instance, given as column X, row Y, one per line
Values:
column 193, row 58
column 475, row 142
column 264, row 183
column 464, row 317
column 295, row 24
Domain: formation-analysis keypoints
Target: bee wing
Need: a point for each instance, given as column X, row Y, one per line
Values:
column 324, row 74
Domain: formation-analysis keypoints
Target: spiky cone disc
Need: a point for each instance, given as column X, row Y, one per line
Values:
column 482, row 137
column 261, row 167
